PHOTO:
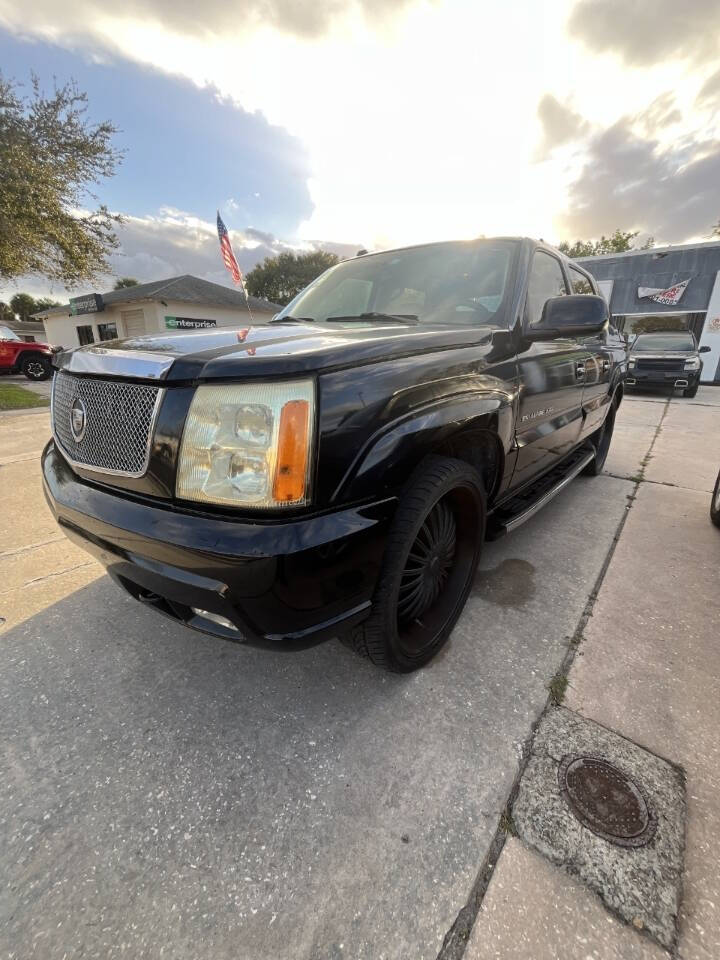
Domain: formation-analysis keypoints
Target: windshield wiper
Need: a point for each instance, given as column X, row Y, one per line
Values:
column 388, row 317
column 292, row 319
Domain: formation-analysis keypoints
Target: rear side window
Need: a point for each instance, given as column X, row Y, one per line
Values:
column 579, row 282
column 546, row 281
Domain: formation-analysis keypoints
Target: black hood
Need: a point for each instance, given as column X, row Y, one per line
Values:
column 276, row 349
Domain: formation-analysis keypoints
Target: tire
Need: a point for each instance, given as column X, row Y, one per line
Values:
column 715, row 503
column 691, row 391
column 601, row 440
column 419, row 597
column 36, row 367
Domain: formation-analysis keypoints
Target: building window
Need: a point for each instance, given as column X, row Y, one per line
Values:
column 107, row 331
column 85, row 335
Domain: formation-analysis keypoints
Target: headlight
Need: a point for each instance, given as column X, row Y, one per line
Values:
column 248, row 445
column 693, row 363
column 631, row 364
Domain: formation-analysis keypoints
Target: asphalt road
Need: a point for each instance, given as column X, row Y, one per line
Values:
column 163, row 793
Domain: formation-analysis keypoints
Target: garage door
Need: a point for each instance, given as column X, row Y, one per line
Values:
column 133, row 322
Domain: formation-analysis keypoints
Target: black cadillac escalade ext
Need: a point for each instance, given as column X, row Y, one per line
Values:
column 336, row 471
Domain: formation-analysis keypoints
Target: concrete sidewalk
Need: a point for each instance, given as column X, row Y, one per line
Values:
column 648, row 668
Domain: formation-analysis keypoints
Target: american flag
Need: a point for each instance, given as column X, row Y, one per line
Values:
column 228, row 255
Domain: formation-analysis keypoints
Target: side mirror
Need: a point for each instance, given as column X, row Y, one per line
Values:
column 579, row 315
column 704, row 349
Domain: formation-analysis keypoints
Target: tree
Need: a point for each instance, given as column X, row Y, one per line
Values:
column 45, row 303
column 618, row 242
column 280, row 278
column 50, row 158
column 23, row 305
column 5, row 312
column 122, row 282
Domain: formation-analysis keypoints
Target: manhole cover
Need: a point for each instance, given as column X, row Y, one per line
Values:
column 606, row 801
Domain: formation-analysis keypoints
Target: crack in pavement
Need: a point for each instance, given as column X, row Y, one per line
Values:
column 31, row 546
column 49, row 576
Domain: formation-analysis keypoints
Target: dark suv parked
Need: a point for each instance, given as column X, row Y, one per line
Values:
column 337, row 471
column 666, row 359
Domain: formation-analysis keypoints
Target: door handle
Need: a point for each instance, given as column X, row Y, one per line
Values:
column 580, row 369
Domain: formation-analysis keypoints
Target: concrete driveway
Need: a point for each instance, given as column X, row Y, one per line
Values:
column 167, row 794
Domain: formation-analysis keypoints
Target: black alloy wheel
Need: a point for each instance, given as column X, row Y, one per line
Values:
column 429, row 563
column 431, row 556
column 37, row 367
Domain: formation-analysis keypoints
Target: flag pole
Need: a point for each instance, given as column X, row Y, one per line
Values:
column 247, row 301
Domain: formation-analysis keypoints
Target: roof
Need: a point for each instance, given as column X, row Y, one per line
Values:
column 27, row 328
column 660, row 267
column 671, row 248
column 186, row 289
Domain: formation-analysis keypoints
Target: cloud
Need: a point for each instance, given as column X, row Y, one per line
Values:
column 405, row 136
column 661, row 113
column 710, row 90
column 305, row 18
column 645, row 32
column 637, row 184
column 260, row 235
column 173, row 243
column 560, row 125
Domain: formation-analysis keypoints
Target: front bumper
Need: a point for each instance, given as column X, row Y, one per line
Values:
column 294, row 581
column 663, row 378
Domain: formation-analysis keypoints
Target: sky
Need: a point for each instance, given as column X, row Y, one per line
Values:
column 375, row 123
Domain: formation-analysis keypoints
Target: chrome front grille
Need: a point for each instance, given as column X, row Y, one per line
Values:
column 118, row 420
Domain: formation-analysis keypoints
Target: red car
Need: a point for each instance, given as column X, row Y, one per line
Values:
column 19, row 356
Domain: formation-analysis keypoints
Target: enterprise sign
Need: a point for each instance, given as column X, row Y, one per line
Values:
column 90, row 303
column 187, row 323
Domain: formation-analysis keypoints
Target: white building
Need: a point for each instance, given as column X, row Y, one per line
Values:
column 179, row 303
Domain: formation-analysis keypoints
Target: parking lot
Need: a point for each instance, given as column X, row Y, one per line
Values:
column 168, row 794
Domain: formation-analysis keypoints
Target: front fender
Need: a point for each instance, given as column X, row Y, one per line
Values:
column 390, row 454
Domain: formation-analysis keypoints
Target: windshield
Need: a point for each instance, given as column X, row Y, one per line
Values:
column 7, row 334
column 441, row 283
column 651, row 342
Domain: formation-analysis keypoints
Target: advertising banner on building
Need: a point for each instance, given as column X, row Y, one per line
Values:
column 669, row 296
column 188, row 323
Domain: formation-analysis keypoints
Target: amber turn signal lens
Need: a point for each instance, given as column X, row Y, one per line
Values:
column 291, row 469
